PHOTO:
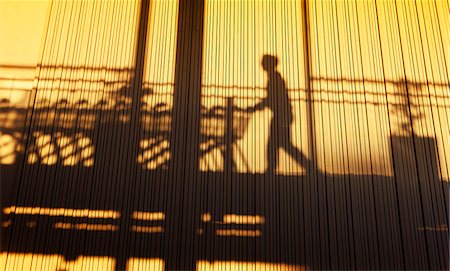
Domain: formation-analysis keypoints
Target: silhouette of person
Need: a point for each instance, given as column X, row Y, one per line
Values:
column 277, row 101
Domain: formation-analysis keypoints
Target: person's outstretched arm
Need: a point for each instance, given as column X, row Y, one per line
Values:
column 259, row 106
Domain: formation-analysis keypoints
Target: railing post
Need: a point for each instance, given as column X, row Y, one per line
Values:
column 185, row 138
column 228, row 137
column 309, row 102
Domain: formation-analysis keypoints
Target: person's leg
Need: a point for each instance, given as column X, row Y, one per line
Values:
column 272, row 150
column 293, row 151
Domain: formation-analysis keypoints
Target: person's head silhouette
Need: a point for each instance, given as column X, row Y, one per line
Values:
column 269, row 63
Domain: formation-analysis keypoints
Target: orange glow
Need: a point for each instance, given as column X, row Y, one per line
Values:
column 21, row 210
column 158, row 80
column 149, row 157
column 85, row 226
column 366, row 58
column 235, row 219
column 442, row 227
column 73, row 150
column 239, row 233
column 376, row 71
column 28, row 261
column 206, row 217
column 8, row 146
column 248, row 33
column 150, row 216
column 64, row 226
column 243, row 219
column 147, row 229
column 248, row 266
column 138, row 264
column 6, row 224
